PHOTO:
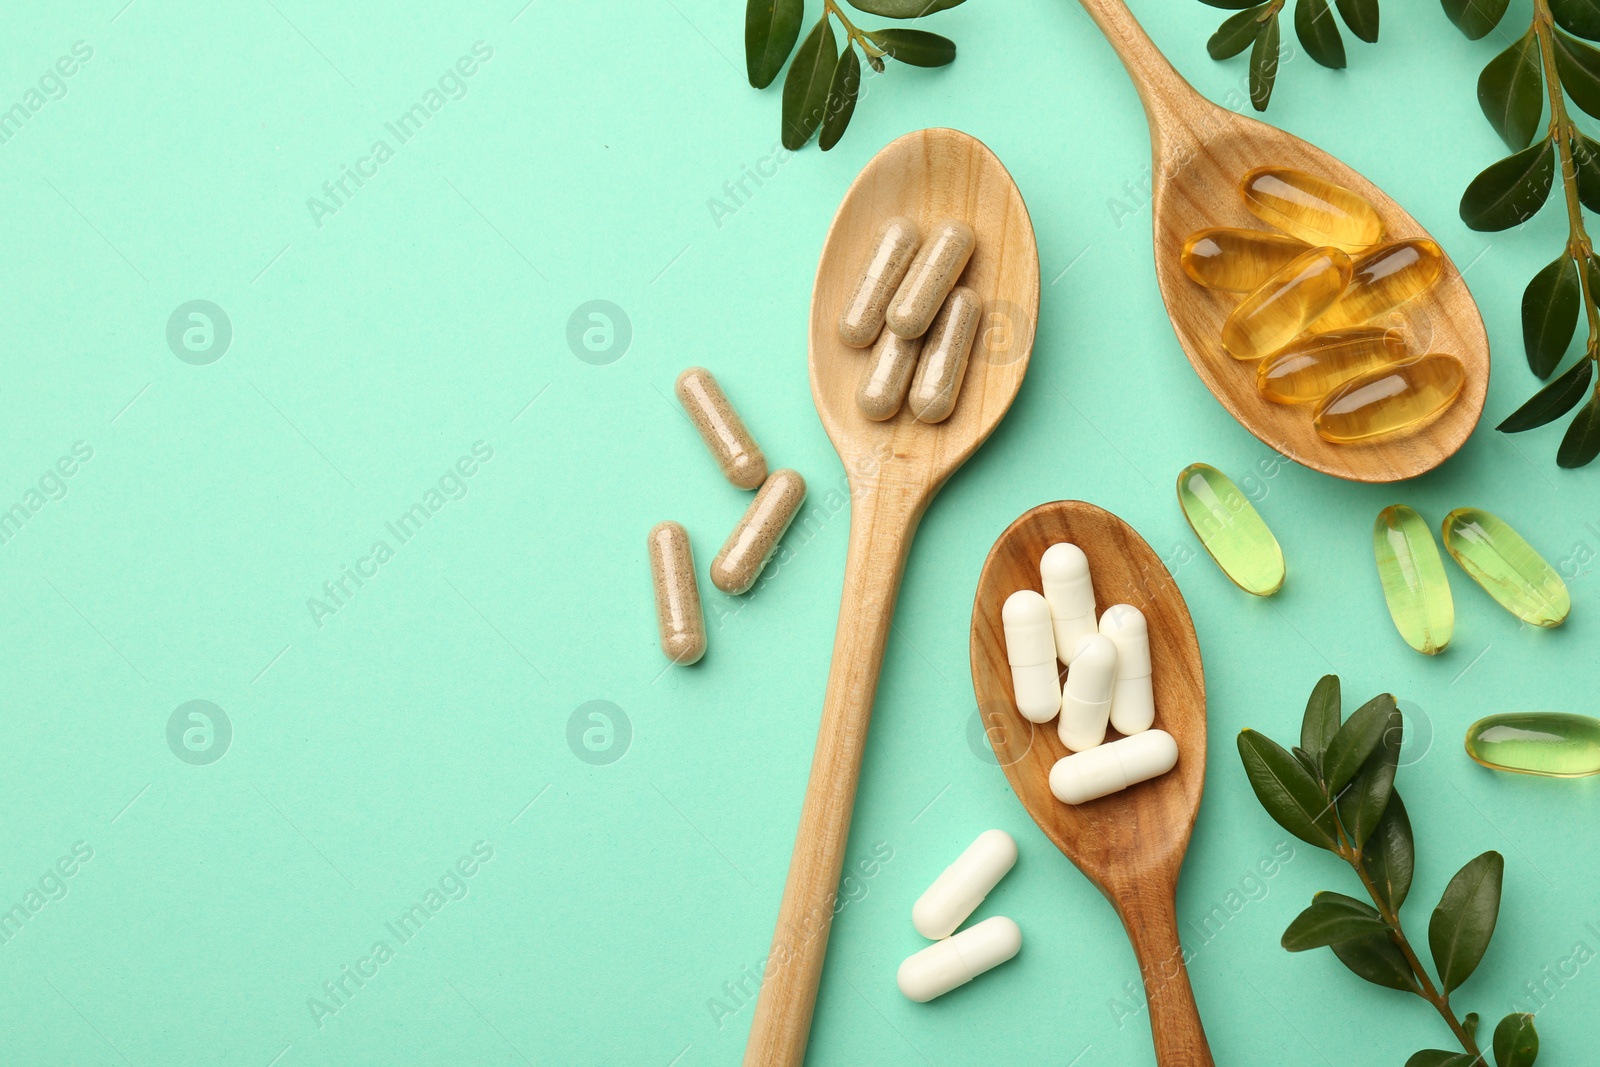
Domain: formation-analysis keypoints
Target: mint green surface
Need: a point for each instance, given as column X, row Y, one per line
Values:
column 374, row 747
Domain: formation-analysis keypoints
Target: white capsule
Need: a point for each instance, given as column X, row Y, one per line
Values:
column 1086, row 697
column 1133, row 701
column 1031, row 651
column 958, row 891
column 1064, row 573
column 1084, row 776
column 955, row 961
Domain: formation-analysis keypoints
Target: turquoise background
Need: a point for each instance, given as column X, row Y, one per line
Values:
column 375, row 747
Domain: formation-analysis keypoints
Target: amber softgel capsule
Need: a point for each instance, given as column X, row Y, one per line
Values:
column 1286, row 303
column 1382, row 280
column 1315, row 365
column 1313, row 209
column 1400, row 397
column 1237, row 261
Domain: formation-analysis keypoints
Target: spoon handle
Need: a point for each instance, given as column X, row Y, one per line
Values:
column 1151, row 917
column 881, row 528
column 1167, row 98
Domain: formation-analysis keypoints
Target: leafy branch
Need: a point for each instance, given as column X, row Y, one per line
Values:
column 823, row 83
column 1256, row 27
column 1546, row 65
column 1335, row 790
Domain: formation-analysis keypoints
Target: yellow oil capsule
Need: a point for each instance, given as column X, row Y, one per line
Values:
column 1286, row 303
column 1382, row 280
column 1310, row 208
column 1237, row 260
column 1315, row 365
column 1497, row 558
column 1549, row 743
column 1392, row 399
column 1230, row 529
column 1415, row 585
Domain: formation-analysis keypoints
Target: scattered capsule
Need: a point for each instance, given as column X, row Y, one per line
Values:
column 1382, row 280
column 1402, row 396
column 678, row 616
column 883, row 387
column 1549, row 743
column 955, row 961
column 1497, row 558
column 944, row 356
column 933, row 273
column 958, row 891
column 1415, row 585
column 1105, row 769
column 731, row 445
column 1064, row 574
column 1286, row 303
column 892, row 250
column 1317, row 364
column 1086, row 697
column 1310, row 208
column 1237, row 261
column 1031, row 652
column 1133, row 700
column 1230, row 529
column 751, row 544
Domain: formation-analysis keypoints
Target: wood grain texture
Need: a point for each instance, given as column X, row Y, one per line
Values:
column 1199, row 152
column 1129, row 844
column 895, row 468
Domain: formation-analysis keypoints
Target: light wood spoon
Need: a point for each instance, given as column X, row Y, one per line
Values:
column 1199, row 152
column 895, row 468
column 1129, row 844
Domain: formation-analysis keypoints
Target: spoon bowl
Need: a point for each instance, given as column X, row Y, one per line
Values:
column 1199, row 152
column 894, row 468
column 1129, row 844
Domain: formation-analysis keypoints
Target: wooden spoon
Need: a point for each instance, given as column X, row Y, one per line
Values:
column 1199, row 152
column 895, row 468
column 1129, row 844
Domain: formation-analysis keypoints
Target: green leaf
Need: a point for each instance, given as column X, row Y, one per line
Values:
column 903, row 9
column 1459, row 932
column 1286, row 789
column 1581, row 17
column 1510, row 191
column 1553, row 401
column 1511, row 92
column 1586, row 158
column 805, row 90
column 1264, row 64
column 919, row 48
column 1362, row 18
column 1232, row 5
column 1578, row 66
column 1376, row 959
column 1516, row 1043
column 1330, row 919
column 1364, row 800
column 1550, row 314
column 841, row 98
column 1390, row 854
column 1469, row 1023
column 1355, row 741
column 1433, row 1057
column 771, row 27
column 1321, row 720
column 1318, row 31
column 1475, row 18
column 1582, row 441
column 1236, row 33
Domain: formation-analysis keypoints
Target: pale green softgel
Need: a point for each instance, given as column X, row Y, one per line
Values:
column 1497, row 558
column 1230, row 529
column 1549, row 743
column 1415, row 585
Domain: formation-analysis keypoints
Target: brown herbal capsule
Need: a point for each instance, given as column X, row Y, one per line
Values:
column 862, row 318
column 731, row 445
column 944, row 356
column 940, row 261
column 883, row 387
column 745, row 553
column 678, row 615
